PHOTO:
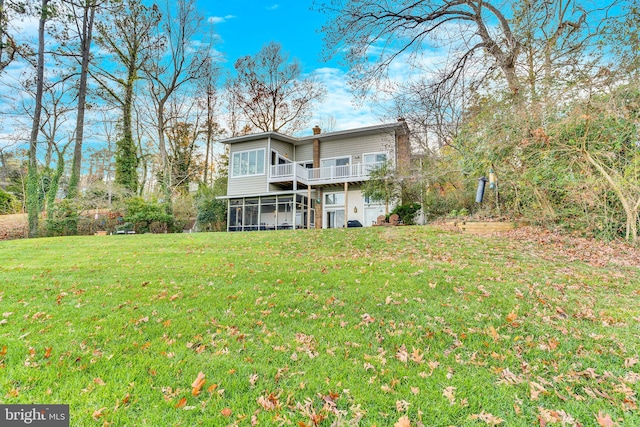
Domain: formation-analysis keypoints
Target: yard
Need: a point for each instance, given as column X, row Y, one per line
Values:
column 385, row 326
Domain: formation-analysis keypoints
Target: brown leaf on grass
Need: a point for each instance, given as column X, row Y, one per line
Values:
column 98, row 413
column 402, row 354
column 198, row 383
column 491, row 331
column 417, row 355
column 402, row 405
column 450, row 393
column 3, row 351
column 630, row 362
column 47, row 352
column 604, row 420
column 536, row 390
column 403, row 421
column 488, row 418
column 226, row 412
column 181, row 402
column 99, row 381
column 269, row 402
column 511, row 317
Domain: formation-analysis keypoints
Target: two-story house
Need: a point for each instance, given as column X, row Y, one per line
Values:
column 278, row 181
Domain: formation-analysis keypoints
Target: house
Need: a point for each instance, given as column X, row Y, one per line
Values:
column 278, row 181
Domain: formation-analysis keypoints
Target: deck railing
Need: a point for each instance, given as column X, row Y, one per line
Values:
column 325, row 174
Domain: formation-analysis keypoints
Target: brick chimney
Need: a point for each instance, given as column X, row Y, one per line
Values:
column 317, row 130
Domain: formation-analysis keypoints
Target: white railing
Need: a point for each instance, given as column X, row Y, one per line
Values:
column 282, row 171
column 325, row 174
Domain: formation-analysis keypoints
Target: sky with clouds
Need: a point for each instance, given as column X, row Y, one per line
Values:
column 245, row 26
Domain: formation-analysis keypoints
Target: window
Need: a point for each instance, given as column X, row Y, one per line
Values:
column 368, row 200
column 338, row 161
column 334, row 199
column 247, row 163
column 374, row 158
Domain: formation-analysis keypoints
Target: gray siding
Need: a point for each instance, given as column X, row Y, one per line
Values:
column 284, row 148
column 239, row 186
column 304, row 152
column 357, row 146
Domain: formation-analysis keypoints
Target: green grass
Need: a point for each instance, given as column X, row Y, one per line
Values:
column 331, row 326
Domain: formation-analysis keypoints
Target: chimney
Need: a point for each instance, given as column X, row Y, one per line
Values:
column 317, row 130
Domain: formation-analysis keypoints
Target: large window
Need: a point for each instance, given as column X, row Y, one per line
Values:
column 247, row 163
column 374, row 157
column 336, row 161
column 334, row 199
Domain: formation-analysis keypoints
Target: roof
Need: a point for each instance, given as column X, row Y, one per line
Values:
column 399, row 125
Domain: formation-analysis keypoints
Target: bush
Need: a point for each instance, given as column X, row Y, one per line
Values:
column 184, row 212
column 212, row 213
column 62, row 219
column 407, row 212
column 141, row 214
column 8, row 203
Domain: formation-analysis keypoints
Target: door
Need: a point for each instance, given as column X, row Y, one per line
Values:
column 335, row 218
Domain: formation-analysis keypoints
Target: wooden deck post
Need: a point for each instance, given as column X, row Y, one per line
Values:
column 346, row 204
column 308, row 207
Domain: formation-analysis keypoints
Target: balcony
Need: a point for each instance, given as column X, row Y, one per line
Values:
column 292, row 172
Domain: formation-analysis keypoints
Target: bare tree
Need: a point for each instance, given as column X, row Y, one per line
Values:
column 82, row 15
column 402, row 27
column 175, row 65
column 130, row 39
column 33, row 204
column 8, row 46
column 271, row 93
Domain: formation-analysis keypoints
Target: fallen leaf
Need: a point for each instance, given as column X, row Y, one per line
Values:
column 98, row 413
column 511, row 317
column 630, row 362
column 198, row 383
column 181, row 402
column 226, row 412
column 403, row 421
column 450, row 393
column 47, row 352
column 604, row 420
column 536, row 390
column 488, row 418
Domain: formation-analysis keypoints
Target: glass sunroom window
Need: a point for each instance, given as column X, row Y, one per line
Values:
column 247, row 163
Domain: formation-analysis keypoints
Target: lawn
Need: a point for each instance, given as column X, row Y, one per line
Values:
column 403, row 326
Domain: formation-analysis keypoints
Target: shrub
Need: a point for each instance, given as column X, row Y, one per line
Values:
column 141, row 214
column 407, row 212
column 62, row 219
column 212, row 213
column 8, row 203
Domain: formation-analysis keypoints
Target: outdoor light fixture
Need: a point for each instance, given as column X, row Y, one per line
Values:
column 355, row 209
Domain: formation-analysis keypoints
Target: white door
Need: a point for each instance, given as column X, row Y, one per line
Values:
column 371, row 214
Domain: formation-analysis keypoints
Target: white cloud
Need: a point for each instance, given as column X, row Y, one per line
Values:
column 220, row 19
column 339, row 102
column 273, row 6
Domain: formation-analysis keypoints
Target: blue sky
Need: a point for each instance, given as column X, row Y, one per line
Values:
column 245, row 26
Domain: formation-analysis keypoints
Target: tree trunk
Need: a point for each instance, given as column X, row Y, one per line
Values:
column 630, row 211
column 165, row 185
column 87, row 30
column 126, row 155
column 33, row 203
